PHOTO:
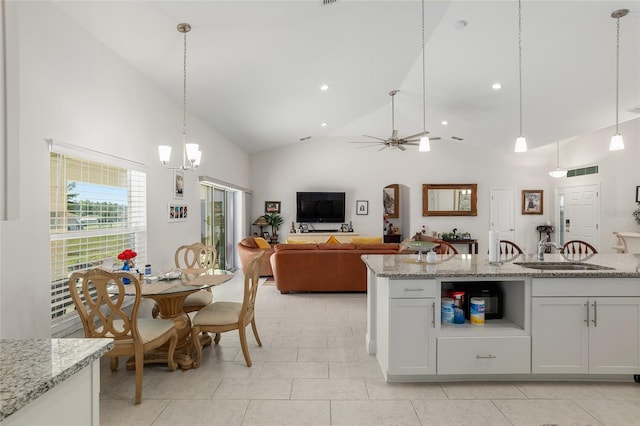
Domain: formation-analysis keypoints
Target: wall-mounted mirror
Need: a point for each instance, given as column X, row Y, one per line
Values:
column 449, row 199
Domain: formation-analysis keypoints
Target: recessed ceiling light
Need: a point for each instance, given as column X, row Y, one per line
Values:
column 496, row 86
column 460, row 24
column 324, row 87
column 444, row 122
column 324, row 124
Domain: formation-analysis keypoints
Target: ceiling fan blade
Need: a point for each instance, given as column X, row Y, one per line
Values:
column 435, row 138
column 384, row 147
column 374, row 137
column 416, row 135
column 365, row 142
column 401, row 148
column 411, row 143
column 366, row 146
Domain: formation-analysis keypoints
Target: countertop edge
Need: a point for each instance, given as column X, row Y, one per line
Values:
column 15, row 402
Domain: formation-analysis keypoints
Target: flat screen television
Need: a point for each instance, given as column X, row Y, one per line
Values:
column 320, row 207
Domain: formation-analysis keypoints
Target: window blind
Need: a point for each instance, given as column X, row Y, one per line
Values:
column 97, row 210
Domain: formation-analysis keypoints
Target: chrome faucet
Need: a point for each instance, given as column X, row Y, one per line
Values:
column 542, row 245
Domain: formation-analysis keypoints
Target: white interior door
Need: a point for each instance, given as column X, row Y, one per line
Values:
column 503, row 216
column 582, row 214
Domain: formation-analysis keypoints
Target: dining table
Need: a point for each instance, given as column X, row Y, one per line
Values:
column 169, row 294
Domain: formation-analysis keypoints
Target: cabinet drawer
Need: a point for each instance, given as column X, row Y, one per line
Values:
column 412, row 289
column 484, row 355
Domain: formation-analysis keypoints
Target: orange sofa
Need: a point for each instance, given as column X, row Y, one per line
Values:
column 324, row 267
column 247, row 249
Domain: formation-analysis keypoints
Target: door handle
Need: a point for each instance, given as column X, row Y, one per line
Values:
column 433, row 314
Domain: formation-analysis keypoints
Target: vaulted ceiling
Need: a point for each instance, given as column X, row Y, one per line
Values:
column 255, row 67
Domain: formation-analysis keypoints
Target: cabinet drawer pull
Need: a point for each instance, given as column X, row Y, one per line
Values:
column 413, row 289
column 479, row 356
column 433, row 314
column 595, row 314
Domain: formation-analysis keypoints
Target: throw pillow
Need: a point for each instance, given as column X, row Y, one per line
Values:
column 333, row 240
column 366, row 240
column 289, row 241
column 262, row 243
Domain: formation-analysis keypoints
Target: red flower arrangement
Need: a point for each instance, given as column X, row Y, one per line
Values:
column 126, row 257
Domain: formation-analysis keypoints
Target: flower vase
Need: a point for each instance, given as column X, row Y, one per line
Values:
column 127, row 268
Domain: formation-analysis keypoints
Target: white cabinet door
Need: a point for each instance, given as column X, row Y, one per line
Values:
column 559, row 335
column 614, row 335
column 412, row 345
column 580, row 335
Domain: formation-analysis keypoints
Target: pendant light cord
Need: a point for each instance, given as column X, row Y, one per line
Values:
column 424, row 90
column 520, row 59
column 617, row 68
column 184, row 101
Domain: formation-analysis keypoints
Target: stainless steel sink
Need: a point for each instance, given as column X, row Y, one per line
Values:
column 562, row 266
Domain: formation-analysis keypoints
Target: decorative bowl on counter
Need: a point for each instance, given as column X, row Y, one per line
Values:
column 420, row 247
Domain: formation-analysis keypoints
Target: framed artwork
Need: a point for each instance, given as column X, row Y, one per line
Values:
column 362, row 207
column 272, row 206
column 266, row 236
column 177, row 212
column 390, row 195
column 637, row 194
column 532, row 201
column 178, row 184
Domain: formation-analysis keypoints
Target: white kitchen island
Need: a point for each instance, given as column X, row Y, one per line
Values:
column 557, row 324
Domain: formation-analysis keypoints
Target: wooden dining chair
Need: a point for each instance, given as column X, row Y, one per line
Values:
column 445, row 248
column 193, row 260
column 578, row 248
column 509, row 248
column 220, row 317
column 99, row 296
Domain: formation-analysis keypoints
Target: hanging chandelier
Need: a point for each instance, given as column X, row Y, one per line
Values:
column 191, row 153
column 616, row 140
column 521, row 142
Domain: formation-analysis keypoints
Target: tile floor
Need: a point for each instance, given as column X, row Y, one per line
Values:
column 313, row 370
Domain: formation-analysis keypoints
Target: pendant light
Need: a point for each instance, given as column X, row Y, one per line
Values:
column 558, row 172
column 616, row 140
column 521, row 142
column 424, row 146
column 190, row 153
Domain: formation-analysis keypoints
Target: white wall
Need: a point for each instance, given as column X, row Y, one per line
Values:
column 75, row 90
column 336, row 165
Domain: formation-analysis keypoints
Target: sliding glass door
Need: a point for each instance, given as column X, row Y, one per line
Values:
column 218, row 223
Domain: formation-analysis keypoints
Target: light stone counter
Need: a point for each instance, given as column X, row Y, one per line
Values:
column 468, row 265
column 31, row 367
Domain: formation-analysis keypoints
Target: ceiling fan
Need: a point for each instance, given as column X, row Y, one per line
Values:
column 394, row 141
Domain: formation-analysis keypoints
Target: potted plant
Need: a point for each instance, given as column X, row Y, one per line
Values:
column 275, row 220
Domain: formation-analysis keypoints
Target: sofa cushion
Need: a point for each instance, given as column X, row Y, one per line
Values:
column 249, row 242
column 305, row 246
column 262, row 243
column 366, row 240
column 332, row 240
column 336, row 246
column 291, row 241
column 381, row 246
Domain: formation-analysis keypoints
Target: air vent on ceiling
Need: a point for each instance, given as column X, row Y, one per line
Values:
column 328, row 1
column 590, row 170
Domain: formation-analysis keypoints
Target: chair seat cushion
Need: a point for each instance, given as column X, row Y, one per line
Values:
column 218, row 313
column 149, row 329
column 199, row 298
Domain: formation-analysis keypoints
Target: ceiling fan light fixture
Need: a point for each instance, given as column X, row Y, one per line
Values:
column 521, row 144
column 424, row 146
column 558, row 173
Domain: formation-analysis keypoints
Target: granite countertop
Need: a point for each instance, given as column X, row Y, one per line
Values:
column 477, row 265
column 31, row 367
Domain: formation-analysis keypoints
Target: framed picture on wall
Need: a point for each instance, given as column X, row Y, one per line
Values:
column 272, row 206
column 362, row 207
column 177, row 212
column 390, row 195
column 178, row 184
column 532, row 201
